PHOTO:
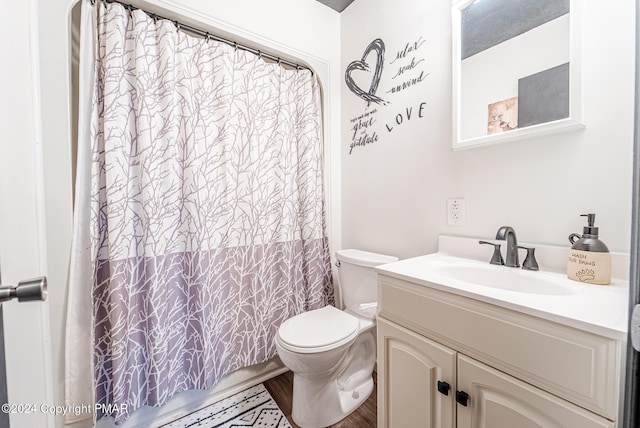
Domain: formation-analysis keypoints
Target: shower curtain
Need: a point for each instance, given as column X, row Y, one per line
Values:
column 200, row 215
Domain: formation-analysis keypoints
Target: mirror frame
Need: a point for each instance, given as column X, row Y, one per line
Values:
column 573, row 122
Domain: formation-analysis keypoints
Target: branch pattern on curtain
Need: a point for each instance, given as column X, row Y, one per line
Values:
column 208, row 213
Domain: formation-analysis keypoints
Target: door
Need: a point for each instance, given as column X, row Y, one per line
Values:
column 498, row 400
column 631, row 416
column 415, row 369
column 25, row 325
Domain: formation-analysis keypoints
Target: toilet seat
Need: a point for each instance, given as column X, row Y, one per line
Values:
column 318, row 330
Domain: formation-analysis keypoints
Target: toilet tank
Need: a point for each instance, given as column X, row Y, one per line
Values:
column 358, row 281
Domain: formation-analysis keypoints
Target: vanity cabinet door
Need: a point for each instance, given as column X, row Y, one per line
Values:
column 409, row 369
column 498, row 400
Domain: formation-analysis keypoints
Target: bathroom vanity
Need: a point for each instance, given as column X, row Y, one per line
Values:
column 453, row 352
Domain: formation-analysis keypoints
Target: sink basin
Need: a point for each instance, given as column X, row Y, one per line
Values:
column 505, row 278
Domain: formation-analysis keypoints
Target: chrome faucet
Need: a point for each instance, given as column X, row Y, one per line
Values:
column 507, row 233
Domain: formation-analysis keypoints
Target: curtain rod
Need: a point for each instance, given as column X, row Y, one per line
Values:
column 209, row 36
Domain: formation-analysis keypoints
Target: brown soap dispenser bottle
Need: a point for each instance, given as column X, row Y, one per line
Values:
column 589, row 257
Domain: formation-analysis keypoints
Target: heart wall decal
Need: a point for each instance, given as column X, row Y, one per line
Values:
column 377, row 47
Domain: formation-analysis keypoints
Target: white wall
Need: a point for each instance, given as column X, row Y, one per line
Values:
column 312, row 37
column 394, row 190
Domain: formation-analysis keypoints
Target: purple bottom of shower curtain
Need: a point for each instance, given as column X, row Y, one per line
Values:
column 182, row 321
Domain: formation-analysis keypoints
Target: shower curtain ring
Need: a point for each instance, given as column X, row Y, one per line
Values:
column 177, row 26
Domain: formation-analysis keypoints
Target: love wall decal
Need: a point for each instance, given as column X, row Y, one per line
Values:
column 406, row 71
column 377, row 47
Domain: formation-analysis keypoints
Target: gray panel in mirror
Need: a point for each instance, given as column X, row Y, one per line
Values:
column 491, row 22
column 544, row 97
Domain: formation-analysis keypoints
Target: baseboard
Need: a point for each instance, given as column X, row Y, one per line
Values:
column 189, row 401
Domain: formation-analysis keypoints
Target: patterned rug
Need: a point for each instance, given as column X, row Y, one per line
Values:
column 253, row 407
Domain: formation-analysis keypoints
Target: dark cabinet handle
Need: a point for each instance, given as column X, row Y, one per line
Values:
column 443, row 388
column 462, row 397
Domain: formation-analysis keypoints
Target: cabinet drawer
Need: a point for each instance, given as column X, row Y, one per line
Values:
column 573, row 364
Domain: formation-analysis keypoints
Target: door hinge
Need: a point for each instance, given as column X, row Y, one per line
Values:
column 635, row 328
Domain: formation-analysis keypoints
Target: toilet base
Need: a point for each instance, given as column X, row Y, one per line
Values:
column 322, row 399
column 325, row 404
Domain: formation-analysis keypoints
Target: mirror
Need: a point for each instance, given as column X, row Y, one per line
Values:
column 516, row 70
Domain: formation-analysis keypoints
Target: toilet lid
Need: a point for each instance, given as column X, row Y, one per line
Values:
column 318, row 330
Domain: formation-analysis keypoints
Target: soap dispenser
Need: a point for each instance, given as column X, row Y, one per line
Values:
column 589, row 257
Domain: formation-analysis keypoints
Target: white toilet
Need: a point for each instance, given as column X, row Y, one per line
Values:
column 332, row 352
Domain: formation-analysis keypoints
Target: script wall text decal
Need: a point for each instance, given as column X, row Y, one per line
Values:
column 362, row 126
column 407, row 60
column 363, row 76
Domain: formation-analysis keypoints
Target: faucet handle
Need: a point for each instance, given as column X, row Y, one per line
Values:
column 530, row 262
column 496, row 258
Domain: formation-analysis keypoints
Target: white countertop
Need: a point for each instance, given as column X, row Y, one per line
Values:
column 600, row 309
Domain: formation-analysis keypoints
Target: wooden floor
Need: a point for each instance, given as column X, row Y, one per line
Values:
column 281, row 389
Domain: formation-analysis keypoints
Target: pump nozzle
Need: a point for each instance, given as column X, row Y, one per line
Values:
column 590, row 229
column 591, row 219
